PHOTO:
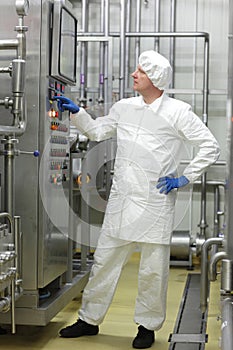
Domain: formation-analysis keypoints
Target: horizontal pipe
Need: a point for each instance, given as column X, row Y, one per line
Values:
column 153, row 34
column 13, row 130
column 11, row 44
column 169, row 91
column 5, row 70
column 186, row 161
column 212, row 183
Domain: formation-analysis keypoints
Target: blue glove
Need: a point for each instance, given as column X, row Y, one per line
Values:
column 168, row 183
column 65, row 103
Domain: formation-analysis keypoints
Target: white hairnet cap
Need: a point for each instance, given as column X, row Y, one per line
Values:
column 157, row 68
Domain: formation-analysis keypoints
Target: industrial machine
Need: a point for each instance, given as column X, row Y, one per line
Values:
column 35, row 233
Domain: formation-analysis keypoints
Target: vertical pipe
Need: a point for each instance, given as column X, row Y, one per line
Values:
column 106, row 56
column 138, row 29
column 216, row 210
column 195, row 56
column 227, row 312
column 229, row 236
column 204, row 290
column 83, row 56
column 127, row 43
column 227, row 324
column 13, row 306
column 101, row 55
column 71, row 236
column 17, row 243
column 85, row 217
column 9, row 150
column 203, row 222
column 216, row 216
column 157, row 23
column 172, row 40
column 122, row 52
column 206, row 82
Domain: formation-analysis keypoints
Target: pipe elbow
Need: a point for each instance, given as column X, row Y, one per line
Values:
column 213, row 264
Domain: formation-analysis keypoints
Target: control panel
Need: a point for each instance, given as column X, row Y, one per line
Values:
column 58, row 123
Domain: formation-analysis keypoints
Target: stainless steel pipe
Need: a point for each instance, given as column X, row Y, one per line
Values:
column 157, row 23
column 152, row 34
column 83, row 58
column 172, row 39
column 227, row 276
column 101, row 55
column 213, row 264
column 204, row 270
column 127, row 43
column 18, row 65
column 9, row 169
column 227, row 324
column 18, row 245
column 11, row 44
column 122, row 50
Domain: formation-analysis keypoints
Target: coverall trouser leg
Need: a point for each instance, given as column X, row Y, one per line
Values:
column 110, row 256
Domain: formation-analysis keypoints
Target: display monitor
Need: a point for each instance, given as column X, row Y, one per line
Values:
column 64, row 44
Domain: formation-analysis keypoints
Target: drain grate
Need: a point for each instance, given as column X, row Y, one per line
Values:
column 190, row 329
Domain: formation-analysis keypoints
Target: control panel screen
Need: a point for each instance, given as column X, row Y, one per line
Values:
column 67, row 63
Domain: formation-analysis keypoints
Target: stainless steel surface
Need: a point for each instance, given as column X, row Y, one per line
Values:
column 122, row 50
column 227, row 323
column 27, row 315
column 36, row 189
column 172, row 39
column 151, row 34
column 9, row 174
column 204, row 269
column 229, row 232
column 227, row 276
column 138, row 29
column 213, row 264
column 157, row 23
column 16, row 103
column 180, row 244
column 8, row 269
column 127, row 43
column 22, row 7
column 108, row 73
column 18, row 246
column 83, row 56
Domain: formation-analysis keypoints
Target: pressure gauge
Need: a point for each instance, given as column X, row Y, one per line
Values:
column 22, row 7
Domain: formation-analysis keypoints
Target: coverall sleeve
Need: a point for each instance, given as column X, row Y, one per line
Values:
column 192, row 129
column 98, row 129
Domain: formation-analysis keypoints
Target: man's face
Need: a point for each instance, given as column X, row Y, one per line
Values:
column 141, row 81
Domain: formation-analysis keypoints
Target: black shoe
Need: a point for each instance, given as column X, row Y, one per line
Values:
column 78, row 329
column 144, row 339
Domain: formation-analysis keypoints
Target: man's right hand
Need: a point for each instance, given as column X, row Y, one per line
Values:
column 65, row 103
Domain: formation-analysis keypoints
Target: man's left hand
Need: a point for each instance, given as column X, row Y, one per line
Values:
column 167, row 183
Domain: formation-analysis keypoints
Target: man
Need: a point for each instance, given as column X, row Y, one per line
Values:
column 150, row 131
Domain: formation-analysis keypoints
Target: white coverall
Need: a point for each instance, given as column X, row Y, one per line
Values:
column 149, row 141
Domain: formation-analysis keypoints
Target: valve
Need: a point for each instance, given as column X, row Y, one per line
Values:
column 35, row 153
